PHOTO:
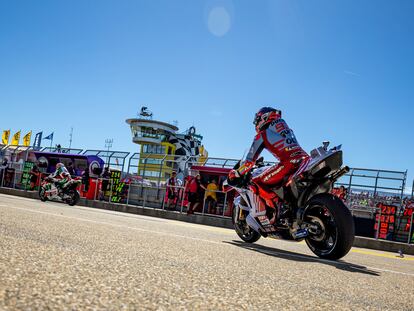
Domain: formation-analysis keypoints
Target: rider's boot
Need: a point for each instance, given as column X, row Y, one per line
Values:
column 282, row 210
column 59, row 189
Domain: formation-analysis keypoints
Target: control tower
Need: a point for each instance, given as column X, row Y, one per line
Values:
column 145, row 130
column 162, row 148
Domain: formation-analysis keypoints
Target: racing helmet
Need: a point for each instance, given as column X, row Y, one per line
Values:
column 264, row 116
column 59, row 165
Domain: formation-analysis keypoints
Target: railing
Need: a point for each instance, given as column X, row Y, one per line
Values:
column 220, row 205
column 174, row 196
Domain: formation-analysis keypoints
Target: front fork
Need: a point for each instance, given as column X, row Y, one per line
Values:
column 240, row 213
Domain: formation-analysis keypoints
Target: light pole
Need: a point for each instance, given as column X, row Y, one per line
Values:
column 70, row 137
column 108, row 145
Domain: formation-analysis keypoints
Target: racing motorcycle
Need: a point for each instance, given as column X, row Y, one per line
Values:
column 68, row 193
column 306, row 210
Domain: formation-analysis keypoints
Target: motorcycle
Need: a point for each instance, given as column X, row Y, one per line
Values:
column 67, row 194
column 306, row 210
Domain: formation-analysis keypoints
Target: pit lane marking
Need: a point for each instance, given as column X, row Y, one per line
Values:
column 381, row 255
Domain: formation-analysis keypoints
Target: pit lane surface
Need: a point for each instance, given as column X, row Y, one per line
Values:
column 56, row 257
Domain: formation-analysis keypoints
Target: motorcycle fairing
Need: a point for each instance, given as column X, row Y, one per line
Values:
column 256, row 219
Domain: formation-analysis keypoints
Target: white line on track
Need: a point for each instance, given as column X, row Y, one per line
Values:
column 87, row 209
column 209, row 241
column 12, row 197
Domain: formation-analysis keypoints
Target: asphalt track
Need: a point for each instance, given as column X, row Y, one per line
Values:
column 56, row 257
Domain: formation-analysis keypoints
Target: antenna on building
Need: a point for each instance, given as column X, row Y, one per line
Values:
column 70, row 137
column 108, row 145
column 191, row 131
column 145, row 113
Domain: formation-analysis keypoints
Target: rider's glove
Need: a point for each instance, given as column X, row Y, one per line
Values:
column 245, row 167
column 234, row 174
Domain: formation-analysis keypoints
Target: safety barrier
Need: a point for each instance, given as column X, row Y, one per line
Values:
column 174, row 198
column 220, row 206
column 161, row 198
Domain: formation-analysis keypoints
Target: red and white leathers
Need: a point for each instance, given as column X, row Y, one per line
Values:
column 61, row 175
column 280, row 141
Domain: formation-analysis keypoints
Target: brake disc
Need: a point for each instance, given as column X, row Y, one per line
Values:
column 314, row 235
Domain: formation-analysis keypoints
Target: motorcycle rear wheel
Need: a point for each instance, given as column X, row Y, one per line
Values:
column 245, row 233
column 74, row 197
column 337, row 231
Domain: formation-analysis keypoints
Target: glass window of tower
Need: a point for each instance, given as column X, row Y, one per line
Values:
column 155, row 149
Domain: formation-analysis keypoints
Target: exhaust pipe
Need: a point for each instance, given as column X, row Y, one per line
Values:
column 340, row 173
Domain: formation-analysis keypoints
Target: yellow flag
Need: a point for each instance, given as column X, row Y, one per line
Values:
column 5, row 137
column 16, row 139
column 26, row 139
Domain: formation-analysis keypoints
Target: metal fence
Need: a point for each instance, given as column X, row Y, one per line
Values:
column 367, row 187
column 376, row 199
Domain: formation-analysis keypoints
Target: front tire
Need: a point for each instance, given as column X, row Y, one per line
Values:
column 245, row 233
column 337, row 232
column 42, row 194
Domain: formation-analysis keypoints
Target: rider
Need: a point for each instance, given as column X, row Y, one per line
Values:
column 273, row 134
column 61, row 176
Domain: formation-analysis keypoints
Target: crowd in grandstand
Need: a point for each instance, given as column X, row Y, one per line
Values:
column 359, row 199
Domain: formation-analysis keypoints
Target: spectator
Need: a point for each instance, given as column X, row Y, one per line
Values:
column 340, row 192
column 344, row 192
column 195, row 188
column 71, row 170
column 85, row 180
column 5, row 163
column 34, row 177
column 3, row 167
column 105, row 182
column 172, row 189
column 211, row 197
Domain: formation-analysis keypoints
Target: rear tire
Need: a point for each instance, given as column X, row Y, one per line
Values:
column 339, row 232
column 74, row 197
column 245, row 233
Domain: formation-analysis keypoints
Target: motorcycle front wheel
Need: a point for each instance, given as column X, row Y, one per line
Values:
column 335, row 231
column 42, row 194
column 245, row 233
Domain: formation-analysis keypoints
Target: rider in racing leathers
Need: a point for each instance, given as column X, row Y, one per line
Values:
column 273, row 134
column 61, row 176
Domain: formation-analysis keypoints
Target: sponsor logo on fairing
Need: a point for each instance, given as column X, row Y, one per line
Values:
column 273, row 173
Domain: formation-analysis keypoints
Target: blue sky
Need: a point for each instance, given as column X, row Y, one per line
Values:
column 340, row 70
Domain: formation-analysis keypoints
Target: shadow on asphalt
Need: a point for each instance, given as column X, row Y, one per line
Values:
column 275, row 252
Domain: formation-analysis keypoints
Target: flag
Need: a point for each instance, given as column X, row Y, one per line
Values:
column 37, row 140
column 16, row 139
column 27, row 138
column 50, row 137
column 5, row 137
